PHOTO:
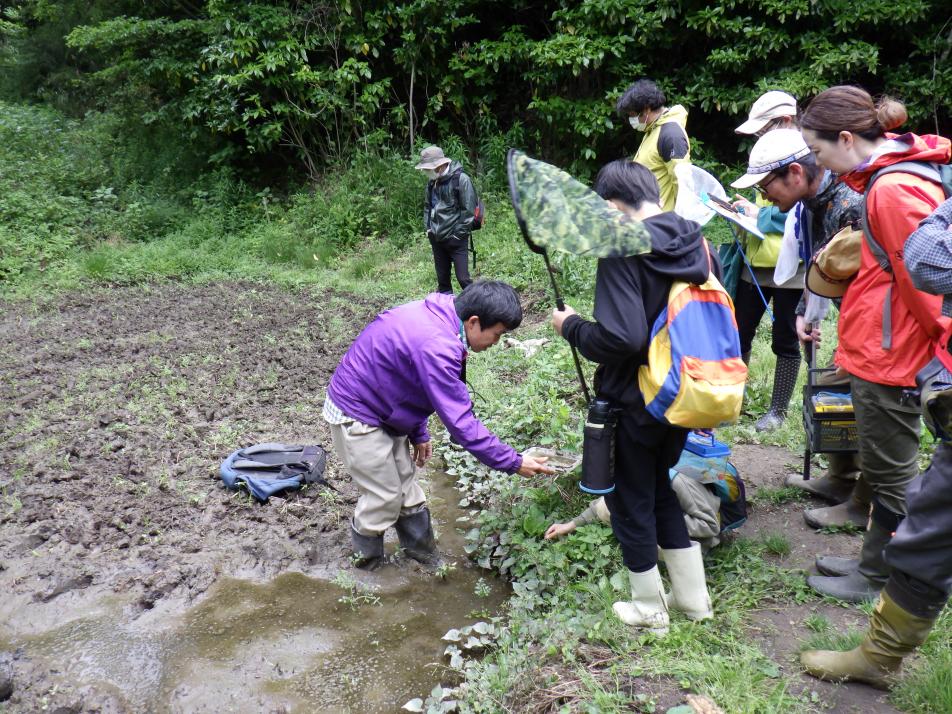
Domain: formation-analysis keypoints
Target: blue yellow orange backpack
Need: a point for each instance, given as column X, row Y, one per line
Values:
column 695, row 376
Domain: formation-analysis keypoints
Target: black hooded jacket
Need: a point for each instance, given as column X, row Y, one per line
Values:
column 630, row 293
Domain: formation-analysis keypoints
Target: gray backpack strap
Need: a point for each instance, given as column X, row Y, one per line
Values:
column 269, row 447
column 922, row 169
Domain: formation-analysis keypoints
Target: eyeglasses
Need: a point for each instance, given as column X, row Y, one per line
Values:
column 761, row 188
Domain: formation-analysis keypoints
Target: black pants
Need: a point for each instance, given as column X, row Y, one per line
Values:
column 922, row 546
column 749, row 309
column 452, row 251
column 644, row 508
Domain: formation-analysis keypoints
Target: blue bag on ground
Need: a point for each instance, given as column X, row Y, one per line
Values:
column 266, row 469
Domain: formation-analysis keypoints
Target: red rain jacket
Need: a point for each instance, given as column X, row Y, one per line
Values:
column 895, row 205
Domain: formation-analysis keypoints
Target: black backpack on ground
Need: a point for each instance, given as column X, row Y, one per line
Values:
column 266, row 469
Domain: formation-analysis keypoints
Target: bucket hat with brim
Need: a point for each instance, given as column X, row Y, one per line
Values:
column 833, row 268
column 432, row 158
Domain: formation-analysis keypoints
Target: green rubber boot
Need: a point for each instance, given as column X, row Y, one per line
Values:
column 893, row 634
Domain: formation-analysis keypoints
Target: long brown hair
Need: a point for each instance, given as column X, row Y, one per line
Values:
column 846, row 108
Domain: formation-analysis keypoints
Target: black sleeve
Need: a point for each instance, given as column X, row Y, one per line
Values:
column 672, row 142
column 621, row 331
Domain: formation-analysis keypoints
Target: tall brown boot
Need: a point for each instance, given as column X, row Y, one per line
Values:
column 853, row 512
column 837, row 484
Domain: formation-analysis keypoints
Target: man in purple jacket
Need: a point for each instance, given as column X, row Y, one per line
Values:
column 406, row 364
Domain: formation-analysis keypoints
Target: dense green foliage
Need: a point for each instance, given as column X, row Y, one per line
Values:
column 312, row 81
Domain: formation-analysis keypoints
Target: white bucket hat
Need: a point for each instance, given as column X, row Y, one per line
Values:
column 432, row 158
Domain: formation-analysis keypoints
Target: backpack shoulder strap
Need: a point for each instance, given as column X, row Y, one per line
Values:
column 945, row 177
column 922, row 169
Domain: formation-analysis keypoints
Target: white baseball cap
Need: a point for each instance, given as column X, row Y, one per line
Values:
column 769, row 106
column 773, row 151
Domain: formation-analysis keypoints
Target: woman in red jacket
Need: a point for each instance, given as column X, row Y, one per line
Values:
column 888, row 330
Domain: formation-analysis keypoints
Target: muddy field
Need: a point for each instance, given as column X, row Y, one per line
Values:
column 118, row 407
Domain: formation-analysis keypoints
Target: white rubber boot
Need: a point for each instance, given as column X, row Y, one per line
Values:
column 647, row 608
column 688, row 587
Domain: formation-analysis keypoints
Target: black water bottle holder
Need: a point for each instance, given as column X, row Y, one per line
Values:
column 598, row 454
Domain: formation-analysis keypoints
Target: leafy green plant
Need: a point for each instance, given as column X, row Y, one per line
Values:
column 444, row 570
column 482, row 589
column 356, row 594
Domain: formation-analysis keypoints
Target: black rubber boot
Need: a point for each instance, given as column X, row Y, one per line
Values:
column 833, row 565
column 368, row 550
column 865, row 583
column 415, row 531
column 785, row 379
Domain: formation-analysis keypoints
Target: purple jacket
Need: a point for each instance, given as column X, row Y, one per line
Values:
column 407, row 364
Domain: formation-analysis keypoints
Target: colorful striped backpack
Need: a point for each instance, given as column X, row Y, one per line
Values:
column 695, row 375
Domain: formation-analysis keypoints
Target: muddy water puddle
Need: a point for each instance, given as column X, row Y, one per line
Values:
column 363, row 642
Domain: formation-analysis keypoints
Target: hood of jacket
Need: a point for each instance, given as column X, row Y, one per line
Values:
column 454, row 168
column 678, row 250
column 906, row 147
column 443, row 307
column 677, row 114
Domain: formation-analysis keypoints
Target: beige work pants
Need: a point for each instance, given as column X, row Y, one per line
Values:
column 383, row 470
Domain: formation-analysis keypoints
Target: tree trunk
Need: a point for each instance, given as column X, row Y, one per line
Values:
column 410, row 102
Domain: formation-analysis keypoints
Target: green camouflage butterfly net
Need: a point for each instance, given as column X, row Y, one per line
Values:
column 558, row 212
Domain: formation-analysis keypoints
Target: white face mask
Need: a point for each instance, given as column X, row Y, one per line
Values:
column 636, row 124
column 431, row 174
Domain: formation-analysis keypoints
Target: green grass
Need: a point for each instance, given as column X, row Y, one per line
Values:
column 777, row 544
column 830, row 640
column 779, row 496
column 927, row 685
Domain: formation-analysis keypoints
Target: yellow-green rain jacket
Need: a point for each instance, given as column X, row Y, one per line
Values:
column 651, row 156
column 764, row 253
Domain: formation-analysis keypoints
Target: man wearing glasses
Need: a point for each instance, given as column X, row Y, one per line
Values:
column 774, row 110
column 783, row 170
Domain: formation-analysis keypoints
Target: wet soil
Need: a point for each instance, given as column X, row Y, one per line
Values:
column 131, row 579
column 780, row 630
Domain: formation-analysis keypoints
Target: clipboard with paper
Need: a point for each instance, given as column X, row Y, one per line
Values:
column 700, row 197
column 726, row 210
